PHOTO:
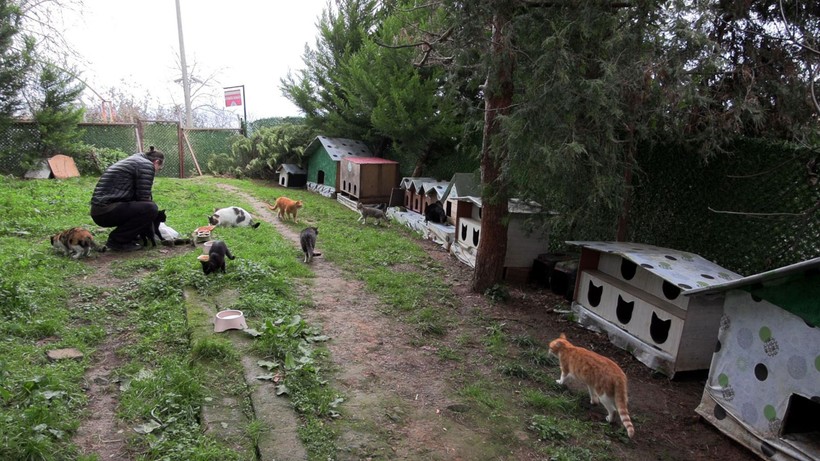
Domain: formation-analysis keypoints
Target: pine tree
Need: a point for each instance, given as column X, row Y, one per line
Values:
column 15, row 60
column 57, row 114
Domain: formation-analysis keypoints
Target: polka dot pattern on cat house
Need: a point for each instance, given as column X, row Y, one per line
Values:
column 763, row 388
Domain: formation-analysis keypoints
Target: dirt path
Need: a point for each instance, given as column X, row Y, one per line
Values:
column 396, row 395
column 101, row 433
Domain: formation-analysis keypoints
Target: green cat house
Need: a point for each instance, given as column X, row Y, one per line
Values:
column 763, row 388
column 322, row 159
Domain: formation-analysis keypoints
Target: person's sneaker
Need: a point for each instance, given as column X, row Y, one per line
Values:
column 123, row 247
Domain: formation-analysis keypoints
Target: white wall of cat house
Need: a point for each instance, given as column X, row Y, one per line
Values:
column 635, row 293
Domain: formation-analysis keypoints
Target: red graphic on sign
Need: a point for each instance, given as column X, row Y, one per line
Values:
column 233, row 98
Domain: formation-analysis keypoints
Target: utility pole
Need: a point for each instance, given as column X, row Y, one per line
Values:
column 186, row 83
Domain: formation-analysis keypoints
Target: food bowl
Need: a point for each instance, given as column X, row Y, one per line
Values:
column 206, row 247
column 229, row 320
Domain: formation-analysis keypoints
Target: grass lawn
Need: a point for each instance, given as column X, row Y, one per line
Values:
column 49, row 301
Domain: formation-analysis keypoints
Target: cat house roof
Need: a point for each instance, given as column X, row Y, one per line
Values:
column 800, row 298
column 337, row 148
column 291, row 168
column 370, row 161
column 514, row 205
column 434, row 188
column 464, row 185
column 414, row 181
column 685, row 270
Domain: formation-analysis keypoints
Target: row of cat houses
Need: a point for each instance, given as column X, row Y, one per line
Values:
column 460, row 198
column 347, row 169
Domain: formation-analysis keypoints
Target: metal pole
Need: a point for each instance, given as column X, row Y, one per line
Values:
column 186, row 84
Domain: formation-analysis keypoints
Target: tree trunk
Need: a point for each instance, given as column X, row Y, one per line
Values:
column 498, row 95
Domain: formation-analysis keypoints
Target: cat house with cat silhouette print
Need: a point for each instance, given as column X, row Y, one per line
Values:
column 635, row 293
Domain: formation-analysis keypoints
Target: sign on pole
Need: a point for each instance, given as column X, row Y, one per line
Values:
column 233, row 97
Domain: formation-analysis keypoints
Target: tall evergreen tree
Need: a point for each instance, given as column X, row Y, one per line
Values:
column 57, row 113
column 15, row 61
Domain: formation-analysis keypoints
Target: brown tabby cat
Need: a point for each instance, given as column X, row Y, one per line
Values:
column 286, row 206
column 604, row 379
column 75, row 242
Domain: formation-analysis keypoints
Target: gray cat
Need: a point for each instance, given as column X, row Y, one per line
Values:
column 370, row 212
column 308, row 240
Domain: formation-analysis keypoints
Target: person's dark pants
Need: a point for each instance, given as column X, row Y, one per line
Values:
column 130, row 220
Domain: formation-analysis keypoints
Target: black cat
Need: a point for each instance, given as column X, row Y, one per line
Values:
column 152, row 230
column 216, row 258
column 435, row 212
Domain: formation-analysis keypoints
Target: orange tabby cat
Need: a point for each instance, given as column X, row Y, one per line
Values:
column 604, row 379
column 286, row 206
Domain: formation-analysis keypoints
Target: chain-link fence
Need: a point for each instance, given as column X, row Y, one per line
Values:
column 183, row 149
column 752, row 211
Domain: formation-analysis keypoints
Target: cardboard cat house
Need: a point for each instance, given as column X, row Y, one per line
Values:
column 636, row 293
column 368, row 179
column 57, row 167
column 763, row 388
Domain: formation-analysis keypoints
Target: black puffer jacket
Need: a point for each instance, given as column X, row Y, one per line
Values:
column 128, row 180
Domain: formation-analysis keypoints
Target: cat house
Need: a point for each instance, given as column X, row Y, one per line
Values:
column 322, row 158
column 522, row 244
column 413, row 200
column 291, row 175
column 461, row 185
column 636, row 293
column 763, row 388
column 432, row 192
column 368, row 179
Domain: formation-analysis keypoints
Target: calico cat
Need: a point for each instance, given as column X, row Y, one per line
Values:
column 370, row 212
column 286, row 207
column 75, row 242
column 152, row 230
column 308, row 240
column 604, row 379
column 216, row 258
column 232, row 217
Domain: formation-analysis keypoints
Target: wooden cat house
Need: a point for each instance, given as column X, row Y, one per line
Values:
column 291, row 175
column 635, row 293
column 432, row 192
column 461, row 185
column 411, row 185
column 368, row 179
column 322, row 158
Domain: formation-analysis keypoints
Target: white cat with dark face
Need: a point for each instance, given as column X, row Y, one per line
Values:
column 232, row 217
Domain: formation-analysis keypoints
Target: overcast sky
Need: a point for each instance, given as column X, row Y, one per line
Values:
column 242, row 42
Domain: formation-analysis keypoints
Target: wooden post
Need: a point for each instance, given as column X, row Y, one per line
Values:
column 193, row 154
column 140, row 135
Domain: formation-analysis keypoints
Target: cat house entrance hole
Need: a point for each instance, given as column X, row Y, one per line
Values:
column 801, row 422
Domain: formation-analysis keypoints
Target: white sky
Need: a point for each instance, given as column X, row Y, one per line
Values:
column 241, row 42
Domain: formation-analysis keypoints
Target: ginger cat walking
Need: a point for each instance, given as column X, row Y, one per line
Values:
column 287, row 207
column 604, row 379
